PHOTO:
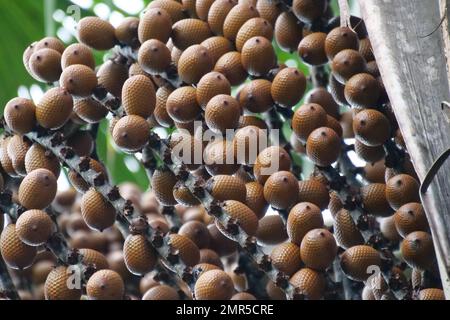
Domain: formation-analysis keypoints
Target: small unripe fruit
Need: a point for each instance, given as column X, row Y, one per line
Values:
column 217, row 47
column 288, row 32
column 362, row 91
column 312, row 49
column 79, row 80
column 217, row 14
column 20, row 115
column 346, row 64
column 139, row 97
column 15, row 253
column 307, row 118
column 105, row 285
column 318, row 249
column 288, row 87
column 409, row 218
column 42, row 182
column 252, row 28
column 281, row 190
column 256, row 96
column 34, row 227
column 222, row 112
column 270, row 161
column 182, row 105
column 97, row 212
column 357, row 261
column 45, row 65
column 323, row 146
column 214, row 285
column 418, row 251
column 371, row 127
column 230, row 65
column 161, row 292
column 56, row 285
column 286, row 258
column 243, row 215
column 374, row 199
column 258, row 56
column 78, row 53
column 346, row 233
column 402, row 189
column 309, row 283
column 54, row 108
column 131, row 133
column 211, row 85
column 139, row 255
column 308, row 10
column 225, row 187
column 96, row 33
column 194, row 63
column 236, row 17
column 271, row 230
column 302, row 218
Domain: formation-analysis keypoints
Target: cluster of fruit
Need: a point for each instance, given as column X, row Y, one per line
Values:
column 179, row 63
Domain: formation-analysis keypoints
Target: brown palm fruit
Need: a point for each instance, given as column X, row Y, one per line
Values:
column 16, row 254
column 243, row 215
column 50, row 43
column 418, row 251
column 258, row 56
column 77, row 53
column 371, row 127
column 184, row 196
column 161, row 292
column 188, row 32
column 211, row 85
column 230, row 65
column 131, row 133
column 332, row 123
column 312, row 49
column 42, row 182
column 374, row 199
column 127, row 32
column 96, row 33
column 236, row 17
column 322, row 97
column 154, row 57
column 94, row 258
column 271, row 230
column 255, row 199
column 388, row 230
column 375, row 172
column 208, row 256
column 139, row 255
column 306, row 119
column 346, row 64
column 217, row 47
column 34, row 227
column 97, row 212
column 288, row 31
column 288, row 87
column 79, row 80
column 335, row 203
column 197, row 232
column 357, row 260
column 286, row 258
column 365, row 48
column 219, row 157
column 221, row 113
column 20, row 115
column 112, row 76
column 252, row 28
column 281, row 190
column 409, row 218
column 82, row 143
column 54, row 108
column 273, row 291
column 41, row 269
column 17, row 149
column 337, row 90
column 160, row 113
column 310, row 284
column 431, row 294
column 138, row 96
column 249, row 120
column 340, row 39
column 56, row 287
column 308, row 11
column 323, row 146
column 187, row 148
column 27, row 55
column 225, row 187
column 302, row 218
column 182, row 105
column 105, row 285
column 45, row 65
column 155, row 24
column 187, row 250
column 243, row 296
column 90, row 110
column 136, row 70
column 268, row 10
column 214, row 285
column 256, row 96
column 173, row 8
column 194, row 63
column 315, row 192
column 270, row 161
column 217, row 13
column 367, row 153
column 346, row 233
column 219, row 243
column 163, row 183
column 318, row 249
column 402, row 189
column 147, row 282
column 6, row 162
column 362, row 91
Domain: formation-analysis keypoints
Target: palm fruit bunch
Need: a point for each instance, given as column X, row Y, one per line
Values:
column 221, row 210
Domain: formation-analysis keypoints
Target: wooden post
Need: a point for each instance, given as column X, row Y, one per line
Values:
column 412, row 55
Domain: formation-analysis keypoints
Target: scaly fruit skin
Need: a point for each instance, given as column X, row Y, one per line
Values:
column 156, row 24
column 127, row 32
column 34, row 227
column 187, row 249
column 173, row 8
column 256, row 96
column 281, row 190
column 309, row 10
column 252, row 28
column 188, row 32
column 139, row 255
column 78, row 53
column 362, row 91
column 217, row 47
column 222, row 113
column 214, row 285
column 315, row 192
column 94, row 258
column 16, row 254
column 309, row 283
column 131, row 133
column 105, row 285
column 402, row 189
column 307, row 118
column 288, row 87
column 20, row 115
column 96, row 33
column 371, row 127
column 418, row 251
column 42, row 182
column 318, row 249
column 230, row 65
column 286, row 258
column 346, row 64
column 54, row 109
column 356, row 260
column 90, row 110
column 323, row 146
column 56, row 285
column 154, row 57
column 79, row 80
column 236, row 17
column 17, row 150
column 271, row 231
column 97, row 212
column 225, row 187
column 182, row 105
column 243, row 215
column 255, row 199
column 161, row 292
column 258, row 56
column 211, row 85
column 270, row 161
column 194, row 63
column 217, row 14
column 45, row 65
column 302, row 218
column 197, row 232
column 288, row 33
column 339, row 39
column 139, row 96
column 312, row 49
column 374, row 199
column 346, row 233
column 409, row 218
